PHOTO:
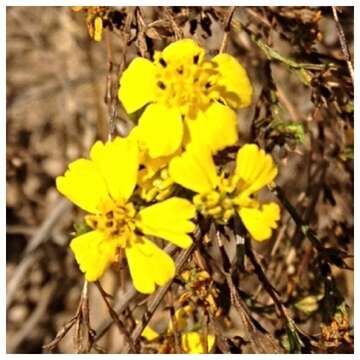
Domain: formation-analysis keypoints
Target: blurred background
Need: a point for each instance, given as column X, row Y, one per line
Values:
column 58, row 82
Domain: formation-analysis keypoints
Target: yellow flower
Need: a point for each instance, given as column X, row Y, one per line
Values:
column 221, row 196
column 191, row 341
column 148, row 333
column 187, row 97
column 103, row 186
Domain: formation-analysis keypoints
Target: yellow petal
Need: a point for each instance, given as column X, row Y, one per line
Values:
column 117, row 161
column 233, row 77
column 191, row 343
column 93, row 253
column 194, row 169
column 98, row 28
column 254, row 168
column 149, row 334
column 83, row 185
column 260, row 222
column 181, row 316
column 160, row 130
column 216, row 127
column 149, row 266
column 183, row 51
column 169, row 220
column 137, row 85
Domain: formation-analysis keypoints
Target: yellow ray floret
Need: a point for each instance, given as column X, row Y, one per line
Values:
column 103, row 186
column 221, row 196
column 187, row 97
column 191, row 343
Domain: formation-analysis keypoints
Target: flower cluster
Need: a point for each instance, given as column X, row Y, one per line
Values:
column 152, row 184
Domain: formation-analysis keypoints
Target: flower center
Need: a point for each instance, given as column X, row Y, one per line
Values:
column 186, row 84
column 115, row 220
column 218, row 203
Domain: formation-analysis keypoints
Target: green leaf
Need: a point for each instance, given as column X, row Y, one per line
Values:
column 308, row 304
column 291, row 129
column 81, row 228
column 292, row 342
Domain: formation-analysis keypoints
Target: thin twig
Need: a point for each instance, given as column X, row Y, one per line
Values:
column 314, row 192
column 177, row 339
column 259, row 17
column 261, row 342
column 80, row 318
column 118, row 308
column 329, row 254
column 83, row 337
column 305, row 228
column 110, row 91
column 49, row 89
column 179, row 34
column 36, row 316
column 20, row 229
column 122, row 329
column 159, row 295
column 141, row 28
column 125, row 300
column 343, row 43
column 204, row 334
column 60, row 335
column 295, row 115
column 41, row 235
column 227, row 29
column 287, row 320
column 264, row 280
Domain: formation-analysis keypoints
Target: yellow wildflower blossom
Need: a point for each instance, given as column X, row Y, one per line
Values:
column 187, row 97
column 102, row 186
column 191, row 341
column 148, row 333
column 221, row 196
